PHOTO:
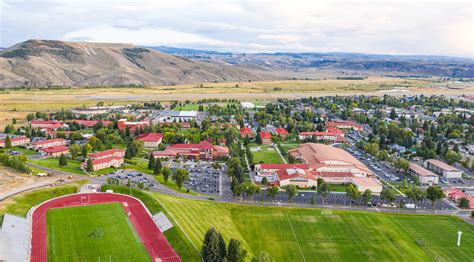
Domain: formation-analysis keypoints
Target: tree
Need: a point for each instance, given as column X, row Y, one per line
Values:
column 157, row 167
column 251, row 190
column 272, row 192
column 180, row 175
column 352, row 192
column 291, row 191
column 62, row 160
column 211, row 247
column 323, row 189
column 387, row 195
column 263, row 256
column 236, row 251
column 166, row 171
column 463, row 203
column 90, row 166
column 86, row 149
column 258, row 139
column 8, row 142
column 402, row 164
column 434, row 193
column 393, row 114
column 74, row 150
column 451, row 157
column 264, row 181
column 151, row 162
column 416, row 194
column 367, row 196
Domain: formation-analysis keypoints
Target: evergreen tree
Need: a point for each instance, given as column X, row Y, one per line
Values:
column 166, row 171
column 90, row 167
column 258, row 139
column 210, row 247
column 62, row 160
column 8, row 142
column 151, row 162
column 236, row 251
column 157, row 167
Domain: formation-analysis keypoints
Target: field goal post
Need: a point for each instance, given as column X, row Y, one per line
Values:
column 85, row 200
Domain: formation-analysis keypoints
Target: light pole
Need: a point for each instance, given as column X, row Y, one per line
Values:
column 459, row 238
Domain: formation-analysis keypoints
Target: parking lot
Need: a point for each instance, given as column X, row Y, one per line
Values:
column 122, row 176
column 203, row 177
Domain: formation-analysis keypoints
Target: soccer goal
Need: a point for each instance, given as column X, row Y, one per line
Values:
column 85, row 200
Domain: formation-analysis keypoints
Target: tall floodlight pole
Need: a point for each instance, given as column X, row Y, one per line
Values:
column 459, row 238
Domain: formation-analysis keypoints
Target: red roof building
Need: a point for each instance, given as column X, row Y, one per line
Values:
column 48, row 143
column 323, row 136
column 281, row 132
column 44, row 123
column 55, row 151
column 98, row 164
column 16, row 141
column 116, row 152
column 343, row 124
column 122, row 124
column 456, row 194
column 204, row 150
column 246, row 132
column 91, row 123
column 266, row 138
column 151, row 140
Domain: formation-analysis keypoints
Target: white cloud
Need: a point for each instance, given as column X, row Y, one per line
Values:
column 407, row 27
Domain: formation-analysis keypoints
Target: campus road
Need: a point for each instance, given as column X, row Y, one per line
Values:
column 302, row 200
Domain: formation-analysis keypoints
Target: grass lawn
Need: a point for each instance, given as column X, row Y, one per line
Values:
column 289, row 234
column 174, row 236
column 267, row 155
column 187, row 107
column 288, row 146
column 73, row 166
column 20, row 204
column 85, row 233
column 26, row 152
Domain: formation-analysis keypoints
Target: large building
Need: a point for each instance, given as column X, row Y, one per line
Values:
column 44, row 123
column 343, row 124
column 424, row 176
column 16, row 141
column 116, row 152
column 48, row 143
column 122, row 124
column 91, row 123
column 204, row 151
column 443, row 169
column 106, row 162
column 336, row 166
column 266, row 138
column 55, row 151
column 151, row 140
column 335, row 135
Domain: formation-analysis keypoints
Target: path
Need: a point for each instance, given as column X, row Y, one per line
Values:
column 281, row 156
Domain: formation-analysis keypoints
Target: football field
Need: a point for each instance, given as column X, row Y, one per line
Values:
column 100, row 232
column 297, row 234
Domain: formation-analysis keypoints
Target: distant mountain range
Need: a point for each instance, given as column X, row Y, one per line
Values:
column 43, row 63
column 343, row 63
column 40, row 63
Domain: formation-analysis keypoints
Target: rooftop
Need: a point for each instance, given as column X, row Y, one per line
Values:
column 441, row 165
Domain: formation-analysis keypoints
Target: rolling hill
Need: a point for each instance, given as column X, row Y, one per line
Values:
column 43, row 63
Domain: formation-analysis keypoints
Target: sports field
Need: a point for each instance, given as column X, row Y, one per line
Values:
column 265, row 154
column 85, row 233
column 294, row 234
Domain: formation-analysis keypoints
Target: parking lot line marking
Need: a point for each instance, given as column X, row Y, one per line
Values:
column 294, row 234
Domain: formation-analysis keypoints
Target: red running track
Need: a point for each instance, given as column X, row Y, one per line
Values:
column 151, row 237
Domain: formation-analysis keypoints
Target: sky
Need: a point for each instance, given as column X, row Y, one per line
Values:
column 377, row 27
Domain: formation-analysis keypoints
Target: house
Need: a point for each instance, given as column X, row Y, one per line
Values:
column 16, row 141
column 106, row 162
column 204, row 151
column 442, row 169
column 286, row 174
column 424, row 176
column 55, row 151
column 266, row 138
column 107, row 153
column 122, row 124
column 246, row 132
column 343, row 124
column 281, row 132
column 151, row 140
column 48, row 143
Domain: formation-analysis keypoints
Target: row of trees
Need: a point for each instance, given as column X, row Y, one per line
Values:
column 17, row 162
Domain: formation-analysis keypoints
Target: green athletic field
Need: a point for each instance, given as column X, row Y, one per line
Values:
column 267, row 155
column 86, row 233
column 295, row 234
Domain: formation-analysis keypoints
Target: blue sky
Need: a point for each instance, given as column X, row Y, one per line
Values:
column 389, row 27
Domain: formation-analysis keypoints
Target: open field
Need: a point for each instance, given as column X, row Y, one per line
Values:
column 73, row 166
column 267, row 155
column 85, row 233
column 295, row 234
column 18, row 103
